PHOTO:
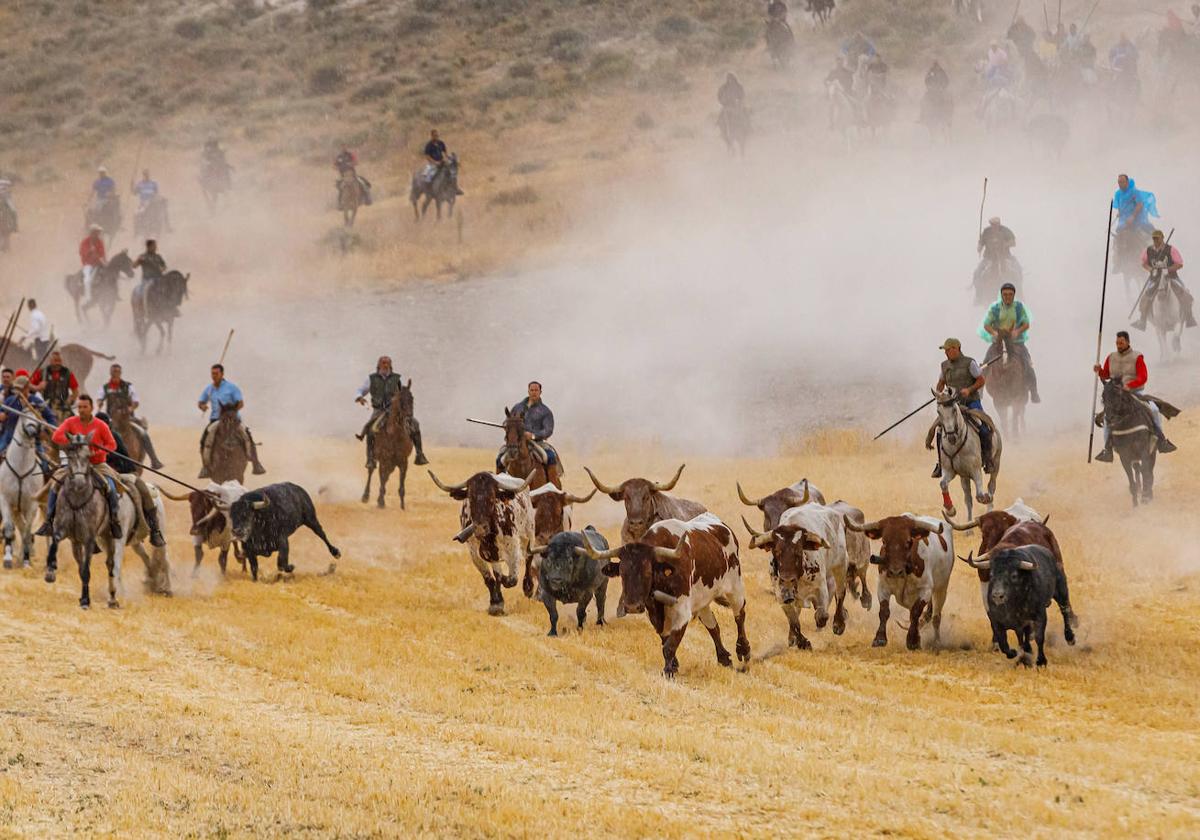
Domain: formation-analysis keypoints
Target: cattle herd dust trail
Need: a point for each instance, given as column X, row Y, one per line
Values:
column 759, row 320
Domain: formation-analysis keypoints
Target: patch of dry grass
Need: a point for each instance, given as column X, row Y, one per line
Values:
column 382, row 700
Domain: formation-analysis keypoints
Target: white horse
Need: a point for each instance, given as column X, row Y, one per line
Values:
column 1166, row 315
column 20, row 481
column 960, row 453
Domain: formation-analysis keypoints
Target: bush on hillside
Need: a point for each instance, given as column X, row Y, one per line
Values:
column 514, row 197
column 414, row 25
column 673, row 28
column 609, row 66
column 190, row 28
column 378, row 89
column 522, row 70
column 327, row 78
column 567, row 45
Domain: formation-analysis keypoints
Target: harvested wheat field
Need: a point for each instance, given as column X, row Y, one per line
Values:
column 381, row 700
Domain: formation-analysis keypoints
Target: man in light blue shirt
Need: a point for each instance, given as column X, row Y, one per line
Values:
column 218, row 397
column 149, row 198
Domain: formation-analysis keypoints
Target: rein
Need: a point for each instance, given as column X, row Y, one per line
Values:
column 960, row 426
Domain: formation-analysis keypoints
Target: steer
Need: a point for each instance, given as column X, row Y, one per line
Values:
column 552, row 511
column 568, row 574
column 264, row 519
column 858, row 554
column 674, row 573
column 1023, row 581
column 773, row 506
column 647, row 502
column 915, row 562
column 808, row 566
column 210, row 520
column 497, row 526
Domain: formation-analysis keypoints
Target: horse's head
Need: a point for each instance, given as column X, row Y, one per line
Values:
column 1118, row 402
column 79, row 453
column 122, row 263
column 404, row 399
column 947, row 408
column 27, row 431
column 228, row 416
column 514, row 432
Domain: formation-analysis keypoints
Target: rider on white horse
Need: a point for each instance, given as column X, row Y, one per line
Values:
column 1157, row 259
column 25, row 400
column 964, row 376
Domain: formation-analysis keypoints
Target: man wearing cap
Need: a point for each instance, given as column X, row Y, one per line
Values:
column 119, row 395
column 1008, row 318
column 964, row 376
column 21, row 397
column 1129, row 366
column 1159, row 259
column 92, row 256
column 382, row 387
column 995, row 245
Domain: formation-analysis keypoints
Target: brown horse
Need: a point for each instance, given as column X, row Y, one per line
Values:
column 75, row 356
column 393, row 445
column 122, row 417
column 1008, row 388
column 351, row 196
column 229, row 459
column 517, row 459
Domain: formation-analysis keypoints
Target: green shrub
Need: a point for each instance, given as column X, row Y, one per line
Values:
column 514, row 197
column 609, row 65
column 673, row 28
column 567, row 45
column 415, row 25
column 522, row 70
column 327, row 78
column 190, row 28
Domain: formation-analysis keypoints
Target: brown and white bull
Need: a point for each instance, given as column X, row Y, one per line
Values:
column 497, row 526
column 211, row 526
column 552, row 511
column 647, row 502
column 915, row 562
column 773, row 505
column 992, row 526
column 808, row 566
column 674, row 574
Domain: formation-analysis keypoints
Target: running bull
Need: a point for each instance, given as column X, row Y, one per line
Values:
column 263, row 520
column 567, row 573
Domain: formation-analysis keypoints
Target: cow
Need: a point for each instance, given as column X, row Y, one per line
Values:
column 647, row 502
column 674, row 573
column 808, row 566
column 568, row 574
column 915, row 562
column 262, row 521
column 1022, row 582
column 210, row 521
column 773, row 506
column 497, row 526
column 858, row 554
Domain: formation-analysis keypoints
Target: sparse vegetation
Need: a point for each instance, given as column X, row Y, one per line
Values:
column 514, row 197
column 328, row 78
column 674, row 28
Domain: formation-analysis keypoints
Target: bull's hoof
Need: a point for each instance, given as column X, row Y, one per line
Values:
column 1011, row 654
column 495, row 609
column 879, row 641
column 527, row 587
column 84, row 604
column 1042, row 661
column 113, row 605
column 743, row 652
column 508, row 582
column 600, row 622
column 839, row 627
column 552, row 632
column 866, row 601
column 1026, row 660
column 669, row 673
column 803, row 643
column 822, row 620
column 289, row 569
column 725, row 660
column 913, row 643
column 50, row 576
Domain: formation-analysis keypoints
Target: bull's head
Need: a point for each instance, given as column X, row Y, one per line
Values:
column 899, row 537
column 243, row 512
column 1008, row 571
column 794, row 570
column 638, row 495
column 647, row 572
column 549, row 504
column 774, row 505
column 482, row 492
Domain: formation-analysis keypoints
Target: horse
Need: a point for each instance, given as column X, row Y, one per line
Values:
column 393, row 444
column 992, row 274
column 157, row 304
column 123, row 424
column 735, row 128
column 937, row 113
column 75, row 356
column 107, row 214
column 351, row 196
column 781, row 42
column 845, row 114
column 1133, row 438
column 1006, row 384
column 150, row 219
column 878, row 108
column 960, row 453
column 82, row 517
column 442, row 189
column 518, row 459
column 104, row 287
column 1000, row 111
column 215, row 179
column 20, row 484
column 1166, row 315
column 821, row 11
column 228, row 460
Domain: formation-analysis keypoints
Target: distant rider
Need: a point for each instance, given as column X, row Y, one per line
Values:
column 381, row 387
column 148, row 195
column 1129, row 366
column 219, row 394
column 1009, row 318
column 1159, row 259
column 38, row 335
column 995, row 245
column 964, row 377
column 92, row 257
column 539, row 424
column 119, row 395
column 104, row 188
column 346, row 163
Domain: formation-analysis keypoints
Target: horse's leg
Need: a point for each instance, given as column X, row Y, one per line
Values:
column 965, row 481
column 9, row 533
column 367, row 490
column 1128, row 465
column 944, row 484
column 384, row 471
column 83, row 559
column 402, row 474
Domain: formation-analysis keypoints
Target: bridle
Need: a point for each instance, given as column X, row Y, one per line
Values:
column 958, row 431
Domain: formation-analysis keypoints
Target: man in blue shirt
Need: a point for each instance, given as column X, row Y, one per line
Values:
column 219, row 395
column 22, row 399
column 149, row 198
column 103, row 187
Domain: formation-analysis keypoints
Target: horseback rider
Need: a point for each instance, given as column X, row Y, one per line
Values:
column 1021, row 33
column 777, row 11
column 219, row 394
column 38, row 335
column 153, row 266
column 539, row 425
column 435, row 156
column 995, row 245
column 213, row 155
column 877, row 71
column 1008, row 318
column 346, row 163
column 1134, row 207
column 382, row 386
column 57, row 384
column 120, row 461
column 21, row 397
column 1158, row 258
column 92, row 257
column 936, row 79
column 1123, row 57
column 964, row 376
column 118, row 395
column 855, row 46
column 997, row 74
column 1129, row 366
column 147, row 193
column 101, row 442
column 731, row 95
column 104, row 188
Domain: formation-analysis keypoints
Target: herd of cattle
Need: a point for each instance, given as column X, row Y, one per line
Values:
column 676, row 559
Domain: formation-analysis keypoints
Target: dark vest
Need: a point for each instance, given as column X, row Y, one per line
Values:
column 957, row 374
column 1164, row 254
column 383, row 388
column 57, row 392
column 116, row 398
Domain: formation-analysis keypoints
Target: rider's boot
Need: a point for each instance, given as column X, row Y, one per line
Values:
column 258, row 468
column 205, row 452
column 156, row 534
column 1143, row 312
column 420, row 460
column 1105, row 454
column 114, row 511
column 148, row 445
column 1164, row 445
column 47, row 529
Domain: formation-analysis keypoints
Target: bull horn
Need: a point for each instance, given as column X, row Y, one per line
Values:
column 210, row 515
column 670, row 485
column 586, row 550
column 261, row 505
column 538, row 549
column 1047, row 519
column 669, row 553
column 446, row 488
column 572, row 499
column 866, row 526
column 980, row 562
column 186, row 497
column 1028, row 565
column 664, row 598
column 757, row 538
column 526, row 483
column 465, row 534
column 746, row 500
column 974, row 523
column 602, row 488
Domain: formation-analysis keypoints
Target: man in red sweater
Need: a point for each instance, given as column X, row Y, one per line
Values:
column 92, row 256
column 1129, row 366
column 101, row 441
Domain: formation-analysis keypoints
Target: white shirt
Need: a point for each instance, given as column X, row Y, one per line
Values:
column 39, row 327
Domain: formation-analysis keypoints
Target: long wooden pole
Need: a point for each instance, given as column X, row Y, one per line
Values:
column 225, row 350
column 982, row 201
column 10, row 329
column 1100, row 332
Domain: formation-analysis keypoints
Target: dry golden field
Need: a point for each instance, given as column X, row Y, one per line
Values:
column 381, row 700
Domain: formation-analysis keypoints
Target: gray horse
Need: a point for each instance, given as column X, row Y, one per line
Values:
column 961, row 454
column 442, row 189
column 1166, row 316
column 20, row 483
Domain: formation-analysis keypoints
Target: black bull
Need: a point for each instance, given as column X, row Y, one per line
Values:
column 264, row 519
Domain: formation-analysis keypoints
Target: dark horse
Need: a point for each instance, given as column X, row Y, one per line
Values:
column 443, row 189
column 229, row 458
column 393, row 445
column 107, row 214
column 1007, row 386
column 158, row 305
column 1133, row 438
column 518, row 459
column 104, row 287
column 216, row 177
column 122, row 424
column 780, row 43
column 1129, row 244
column 351, row 196
column 734, row 123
